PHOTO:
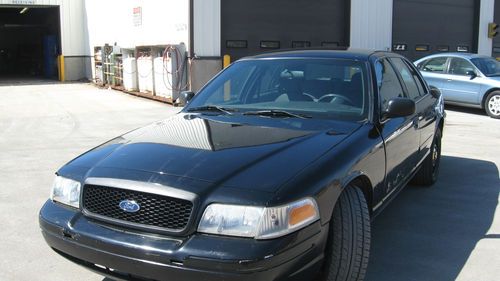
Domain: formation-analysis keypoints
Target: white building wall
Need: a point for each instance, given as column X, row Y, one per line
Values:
column 207, row 27
column 371, row 24
column 487, row 12
column 163, row 22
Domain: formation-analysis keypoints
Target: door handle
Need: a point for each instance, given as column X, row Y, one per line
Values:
column 449, row 80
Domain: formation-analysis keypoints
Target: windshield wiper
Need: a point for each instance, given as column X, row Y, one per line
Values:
column 277, row 113
column 212, row 108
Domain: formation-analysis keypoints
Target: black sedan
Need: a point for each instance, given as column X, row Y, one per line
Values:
column 273, row 171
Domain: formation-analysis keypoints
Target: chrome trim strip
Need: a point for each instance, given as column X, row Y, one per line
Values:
column 145, row 187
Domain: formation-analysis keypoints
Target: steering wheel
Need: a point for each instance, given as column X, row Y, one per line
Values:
column 336, row 97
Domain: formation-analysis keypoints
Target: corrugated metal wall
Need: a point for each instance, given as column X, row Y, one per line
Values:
column 207, row 27
column 486, row 11
column 371, row 24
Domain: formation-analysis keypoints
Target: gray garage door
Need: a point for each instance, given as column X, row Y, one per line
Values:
column 496, row 40
column 255, row 26
column 423, row 27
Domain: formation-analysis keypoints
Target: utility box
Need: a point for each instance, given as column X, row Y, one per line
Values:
column 170, row 72
column 129, row 70
column 98, row 71
column 111, row 65
column 145, row 77
column 117, row 62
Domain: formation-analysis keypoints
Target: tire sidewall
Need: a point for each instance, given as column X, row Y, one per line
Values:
column 486, row 104
column 435, row 167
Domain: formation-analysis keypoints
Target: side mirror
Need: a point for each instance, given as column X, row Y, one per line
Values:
column 399, row 107
column 472, row 74
column 435, row 92
column 185, row 97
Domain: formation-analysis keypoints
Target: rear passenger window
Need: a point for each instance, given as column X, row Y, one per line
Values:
column 414, row 92
column 388, row 83
column 434, row 65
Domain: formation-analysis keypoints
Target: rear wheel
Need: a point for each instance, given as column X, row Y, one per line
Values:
column 492, row 104
column 429, row 171
column 348, row 247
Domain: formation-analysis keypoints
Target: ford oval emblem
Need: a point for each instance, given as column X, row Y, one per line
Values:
column 129, row 206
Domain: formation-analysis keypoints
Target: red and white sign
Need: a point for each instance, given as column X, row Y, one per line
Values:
column 137, row 16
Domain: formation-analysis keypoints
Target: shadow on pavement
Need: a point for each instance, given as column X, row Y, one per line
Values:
column 468, row 110
column 429, row 233
column 6, row 81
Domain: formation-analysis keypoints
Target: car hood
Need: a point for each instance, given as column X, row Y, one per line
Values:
column 495, row 79
column 233, row 151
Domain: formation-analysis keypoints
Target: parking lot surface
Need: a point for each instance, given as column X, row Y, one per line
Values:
column 445, row 232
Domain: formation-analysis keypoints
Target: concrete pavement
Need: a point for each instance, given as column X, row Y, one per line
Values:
column 41, row 128
column 448, row 231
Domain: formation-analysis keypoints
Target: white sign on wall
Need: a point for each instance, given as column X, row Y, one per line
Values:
column 24, row 2
column 137, row 16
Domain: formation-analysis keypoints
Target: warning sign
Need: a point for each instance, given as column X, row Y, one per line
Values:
column 137, row 16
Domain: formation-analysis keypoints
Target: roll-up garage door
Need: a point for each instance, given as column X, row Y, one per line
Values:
column 254, row 26
column 423, row 27
column 496, row 40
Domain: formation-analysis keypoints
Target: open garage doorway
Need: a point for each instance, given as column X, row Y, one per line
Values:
column 29, row 43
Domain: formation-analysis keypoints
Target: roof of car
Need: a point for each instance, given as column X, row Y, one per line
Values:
column 360, row 54
column 454, row 54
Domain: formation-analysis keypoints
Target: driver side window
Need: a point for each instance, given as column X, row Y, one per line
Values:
column 388, row 83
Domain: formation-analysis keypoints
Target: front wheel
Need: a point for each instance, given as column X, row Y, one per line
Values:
column 348, row 245
column 492, row 104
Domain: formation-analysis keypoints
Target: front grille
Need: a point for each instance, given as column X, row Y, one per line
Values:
column 156, row 211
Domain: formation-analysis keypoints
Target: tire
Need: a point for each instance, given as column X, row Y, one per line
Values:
column 492, row 104
column 429, row 171
column 348, row 246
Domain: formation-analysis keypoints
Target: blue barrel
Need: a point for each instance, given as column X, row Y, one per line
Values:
column 50, row 53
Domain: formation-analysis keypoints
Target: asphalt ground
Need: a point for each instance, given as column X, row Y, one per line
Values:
column 445, row 232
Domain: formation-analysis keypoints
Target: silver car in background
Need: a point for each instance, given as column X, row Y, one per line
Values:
column 464, row 79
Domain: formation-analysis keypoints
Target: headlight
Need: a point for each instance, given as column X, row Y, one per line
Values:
column 258, row 222
column 66, row 191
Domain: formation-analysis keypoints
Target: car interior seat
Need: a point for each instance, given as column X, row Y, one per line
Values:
column 291, row 90
column 355, row 90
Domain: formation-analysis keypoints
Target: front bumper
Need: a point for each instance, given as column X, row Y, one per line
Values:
column 127, row 255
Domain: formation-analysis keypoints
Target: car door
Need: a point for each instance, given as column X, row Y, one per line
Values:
column 401, row 137
column 424, row 103
column 458, row 85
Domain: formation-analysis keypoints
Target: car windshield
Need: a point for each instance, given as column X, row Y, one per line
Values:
column 311, row 88
column 488, row 66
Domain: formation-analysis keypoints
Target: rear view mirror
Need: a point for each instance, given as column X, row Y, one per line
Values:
column 185, row 97
column 399, row 107
column 435, row 92
column 472, row 74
